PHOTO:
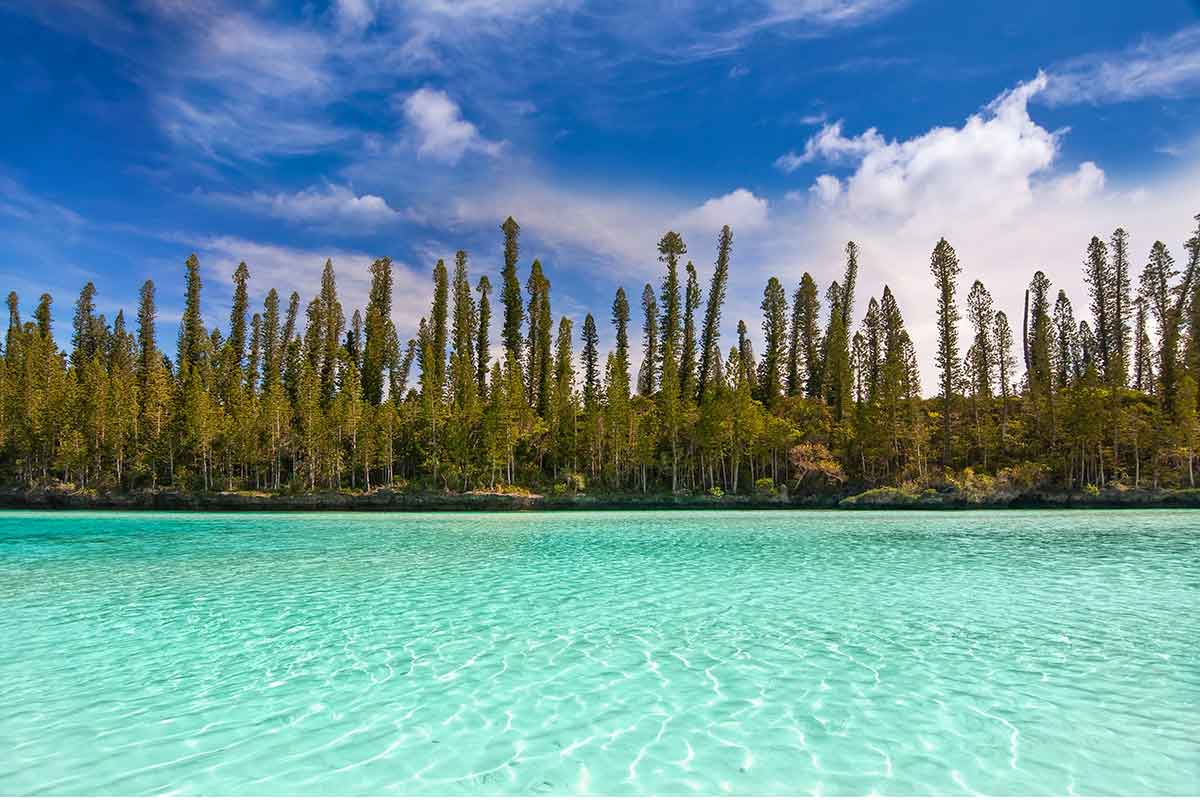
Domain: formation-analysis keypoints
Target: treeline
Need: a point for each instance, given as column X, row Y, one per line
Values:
column 281, row 401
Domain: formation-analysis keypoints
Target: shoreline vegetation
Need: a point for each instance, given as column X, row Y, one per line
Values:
column 279, row 410
column 384, row 500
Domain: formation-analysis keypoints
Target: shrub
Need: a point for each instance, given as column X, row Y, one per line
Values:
column 716, row 491
column 765, row 487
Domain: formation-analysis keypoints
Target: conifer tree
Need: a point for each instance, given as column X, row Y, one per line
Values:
column 1143, row 372
column 237, row 316
column 591, row 364
column 806, row 312
column 1122, row 308
column 687, row 358
column 437, row 326
column 710, row 346
column 774, row 326
column 1065, row 357
column 945, row 268
column 872, row 349
column 463, row 377
column 563, row 404
column 483, row 343
column 538, row 362
column 14, row 322
column 619, row 375
column 331, row 336
column 1098, row 274
column 254, row 360
column 1005, row 366
column 41, row 316
column 670, row 248
column 147, row 335
column 648, row 373
column 272, row 346
column 83, row 338
column 192, row 336
column 375, row 346
column 514, row 308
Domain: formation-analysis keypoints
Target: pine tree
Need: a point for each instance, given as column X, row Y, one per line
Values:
column 237, row 316
column 192, row 337
column 1066, row 356
column 1143, row 370
column 670, row 248
column 872, row 350
column 272, row 346
column 945, row 269
column 648, row 373
column 1039, row 373
column 591, row 365
column 41, row 316
column 375, row 346
column 437, row 326
column 687, row 358
column 1121, row 308
column 463, row 378
column 774, row 326
column 806, row 312
column 1098, row 274
column 483, row 343
column 331, row 336
column 254, row 360
column 83, row 338
column 619, row 375
column 710, row 346
column 539, row 369
column 514, row 308
column 1005, row 366
column 563, row 405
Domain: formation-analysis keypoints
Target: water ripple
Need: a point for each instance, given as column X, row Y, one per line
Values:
column 640, row 653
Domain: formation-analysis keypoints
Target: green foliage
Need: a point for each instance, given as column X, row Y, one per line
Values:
column 765, row 487
column 282, row 403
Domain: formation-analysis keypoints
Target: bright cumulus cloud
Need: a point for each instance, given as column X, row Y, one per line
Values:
column 994, row 186
column 441, row 132
column 985, row 166
column 740, row 209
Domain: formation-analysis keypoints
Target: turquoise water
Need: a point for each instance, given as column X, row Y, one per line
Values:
column 611, row 653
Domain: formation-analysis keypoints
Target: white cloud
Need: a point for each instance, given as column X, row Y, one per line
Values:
column 831, row 146
column 994, row 188
column 1082, row 183
column 442, row 133
column 827, row 189
column 1155, row 67
column 740, row 209
column 986, row 166
column 324, row 205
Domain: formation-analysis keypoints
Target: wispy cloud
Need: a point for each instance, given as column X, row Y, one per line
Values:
column 1154, row 67
column 830, row 145
column 321, row 206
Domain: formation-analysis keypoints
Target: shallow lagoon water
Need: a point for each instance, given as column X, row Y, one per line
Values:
column 610, row 653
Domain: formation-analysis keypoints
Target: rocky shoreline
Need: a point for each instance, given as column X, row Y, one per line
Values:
column 886, row 498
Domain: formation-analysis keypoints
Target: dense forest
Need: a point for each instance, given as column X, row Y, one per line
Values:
column 290, row 403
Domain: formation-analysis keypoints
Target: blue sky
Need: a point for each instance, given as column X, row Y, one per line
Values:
column 282, row 134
